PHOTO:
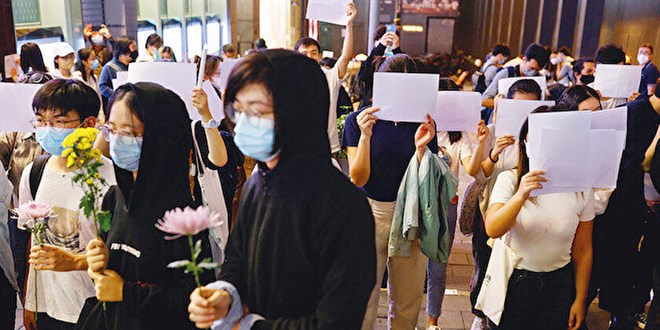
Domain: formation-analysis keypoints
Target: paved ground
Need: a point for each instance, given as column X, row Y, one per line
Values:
column 456, row 307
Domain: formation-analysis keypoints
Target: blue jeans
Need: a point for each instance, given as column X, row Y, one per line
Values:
column 437, row 273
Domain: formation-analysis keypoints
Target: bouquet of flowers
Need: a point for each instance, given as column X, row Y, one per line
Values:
column 190, row 222
column 33, row 217
column 86, row 160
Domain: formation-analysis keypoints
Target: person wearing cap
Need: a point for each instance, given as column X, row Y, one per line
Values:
column 64, row 60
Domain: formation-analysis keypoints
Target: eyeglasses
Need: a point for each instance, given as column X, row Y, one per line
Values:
column 125, row 136
column 59, row 123
column 255, row 111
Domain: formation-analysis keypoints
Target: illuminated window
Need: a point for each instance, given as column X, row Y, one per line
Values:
column 194, row 35
column 172, row 36
column 145, row 29
column 213, row 34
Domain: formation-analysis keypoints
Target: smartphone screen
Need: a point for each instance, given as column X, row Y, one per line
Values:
column 390, row 28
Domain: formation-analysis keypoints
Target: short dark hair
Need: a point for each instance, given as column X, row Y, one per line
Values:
column 578, row 65
column 381, row 30
column 261, row 43
column 539, row 53
column 228, row 48
column 573, row 96
column 31, row 58
column 328, row 61
column 501, row 49
column 610, row 54
column 122, row 46
column 67, row 95
column 565, row 50
column 255, row 68
column 525, row 86
column 306, row 41
column 647, row 45
column 154, row 40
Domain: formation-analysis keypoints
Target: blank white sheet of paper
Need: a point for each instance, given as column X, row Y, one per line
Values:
column 564, row 160
column 503, row 85
column 569, row 120
column 329, row 11
column 16, row 106
column 225, row 70
column 457, row 111
column 605, row 154
column 511, row 114
column 617, row 80
column 406, row 97
column 616, row 119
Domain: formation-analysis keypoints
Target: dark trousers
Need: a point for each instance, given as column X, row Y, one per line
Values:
column 653, row 320
column 7, row 303
column 19, row 240
column 45, row 322
column 481, row 253
column 538, row 300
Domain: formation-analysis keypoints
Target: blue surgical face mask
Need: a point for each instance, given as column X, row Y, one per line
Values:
column 530, row 73
column 95, row 64
column 51, row 138
column 125, row 152
column 255, row 137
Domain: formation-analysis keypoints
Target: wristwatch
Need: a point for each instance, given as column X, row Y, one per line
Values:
column 211, row 123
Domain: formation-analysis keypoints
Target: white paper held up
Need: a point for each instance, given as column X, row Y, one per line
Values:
column 503, row 85
column 457, row 111
column 605, row 154
column 618, row 81
column 569, row 120
column 511, row 114
column 330, row 11
column 616, row 119
column 564, row 160
column 226, row 67
column 16, row 106
column 406, row 97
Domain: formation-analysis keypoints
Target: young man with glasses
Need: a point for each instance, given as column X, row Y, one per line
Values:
column 60, row 107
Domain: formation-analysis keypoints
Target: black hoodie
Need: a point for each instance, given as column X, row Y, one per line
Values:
column 302, row 254
column 154, row 296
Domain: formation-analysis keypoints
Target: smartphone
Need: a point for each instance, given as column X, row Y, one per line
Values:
column 390, row 28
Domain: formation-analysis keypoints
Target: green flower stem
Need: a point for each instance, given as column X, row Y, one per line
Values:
column 194, row 261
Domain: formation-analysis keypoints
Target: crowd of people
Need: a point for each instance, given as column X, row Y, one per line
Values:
column 309, row 246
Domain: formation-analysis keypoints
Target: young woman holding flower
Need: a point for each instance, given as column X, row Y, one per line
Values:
column 150, row 142
column 62, row 285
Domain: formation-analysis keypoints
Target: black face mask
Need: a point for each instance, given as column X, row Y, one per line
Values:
column 134, row 55
column 587, row 79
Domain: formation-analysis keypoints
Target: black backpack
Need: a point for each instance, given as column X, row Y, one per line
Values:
column 479, row 80
column 36, row 173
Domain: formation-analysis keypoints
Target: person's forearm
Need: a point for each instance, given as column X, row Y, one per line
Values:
column 488, row 103
column 360, row 167
column 488, row 167
column 79, row 262
column 217, row 148
column 475, row 160
column 582, row 262
column 648, row 155
column 346, row 52
column 500, row 220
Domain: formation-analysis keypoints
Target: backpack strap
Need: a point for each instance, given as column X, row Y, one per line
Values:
column 511, row 71
column 36, row 173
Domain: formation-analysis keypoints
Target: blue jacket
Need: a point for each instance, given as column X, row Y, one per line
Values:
column 108, row 73
column 426, row 190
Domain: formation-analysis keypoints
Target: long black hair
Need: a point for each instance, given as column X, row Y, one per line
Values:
column 166, row 151
column 31, row 58
column 83, row 55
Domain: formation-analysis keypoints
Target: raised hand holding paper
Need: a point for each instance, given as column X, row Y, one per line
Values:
column 457, row 111
column 617, row 80
column 503, row 85
column 16, row 106
column 202, row 67
column 406, row 97
column 330, row 11
column 511, row 114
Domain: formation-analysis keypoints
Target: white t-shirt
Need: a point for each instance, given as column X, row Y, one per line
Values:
column 334, row 83
column 545, row 227
column 57, row 74
column 460, row 150
column 62, row 294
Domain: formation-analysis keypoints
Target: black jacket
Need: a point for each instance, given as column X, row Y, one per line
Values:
column 302, row 254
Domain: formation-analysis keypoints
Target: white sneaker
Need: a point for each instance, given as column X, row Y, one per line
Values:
column 480, row 324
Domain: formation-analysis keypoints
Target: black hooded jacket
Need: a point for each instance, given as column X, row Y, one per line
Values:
column 154, row 296
column 302, row 254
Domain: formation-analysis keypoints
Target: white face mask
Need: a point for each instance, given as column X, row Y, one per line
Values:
column 642, row 59
column 554, row 61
